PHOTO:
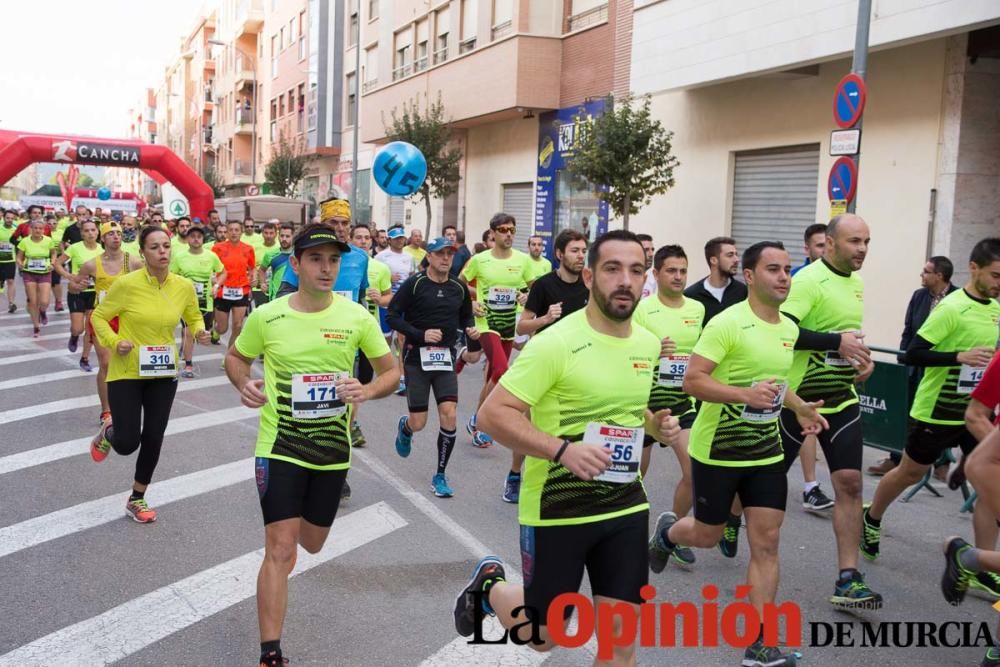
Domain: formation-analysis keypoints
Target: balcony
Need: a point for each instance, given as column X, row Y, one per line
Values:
column 371, row 84
column 502, row 30
column 241, row 169
column 401, row 71
column 249, row 17
column 244, row 122
column 209, row 65
column 525, row 74
column 440, row 55
column 587, row 18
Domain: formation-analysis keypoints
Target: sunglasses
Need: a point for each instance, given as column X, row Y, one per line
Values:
column 504, row 229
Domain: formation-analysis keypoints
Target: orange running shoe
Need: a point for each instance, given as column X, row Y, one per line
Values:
column 101, row 444
column 140, row 511
column 106, row 416
column 272, row 659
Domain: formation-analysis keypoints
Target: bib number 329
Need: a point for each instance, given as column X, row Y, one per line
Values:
column 315, row 395
column 157, row 361
column 625, row 445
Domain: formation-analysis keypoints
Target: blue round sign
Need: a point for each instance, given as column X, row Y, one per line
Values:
column 849, row 101
column 400, row 169
column 843, row 180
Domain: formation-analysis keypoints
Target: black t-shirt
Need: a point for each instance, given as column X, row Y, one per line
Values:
column 421, row 304
column 550, row 289
column 72, row 234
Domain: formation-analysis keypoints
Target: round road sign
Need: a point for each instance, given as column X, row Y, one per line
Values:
column 843, row 180
column 849, row 101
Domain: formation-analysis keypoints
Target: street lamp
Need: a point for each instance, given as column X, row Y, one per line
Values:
column 253, row 130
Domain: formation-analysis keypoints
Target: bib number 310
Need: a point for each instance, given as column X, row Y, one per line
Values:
column 157, row 361
column 626, row 450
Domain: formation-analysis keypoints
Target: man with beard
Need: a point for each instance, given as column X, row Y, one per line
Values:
column 553, row 296
column 649, row 286
column 740, row 369
column 586, row 384
column 719, row 289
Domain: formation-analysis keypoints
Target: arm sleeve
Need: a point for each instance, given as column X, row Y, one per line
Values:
column 920, row 354
column 987, row 391
column 908, row 332
column 465, row 313
column 108, row 309
column 399, row 305
column 250, row 343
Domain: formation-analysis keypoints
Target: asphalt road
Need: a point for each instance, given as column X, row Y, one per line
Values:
column 83, row 585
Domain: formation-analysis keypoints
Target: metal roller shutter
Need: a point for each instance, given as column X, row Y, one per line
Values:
column 518, row 202
column 397, row 211
column 774, row 196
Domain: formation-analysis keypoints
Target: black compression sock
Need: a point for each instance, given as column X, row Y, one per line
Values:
column 445, row 445
column 137, row 495
column 406, row 428
column 267, row 647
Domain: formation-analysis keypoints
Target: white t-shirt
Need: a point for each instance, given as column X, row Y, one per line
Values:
column 401, row 265
column 717, row 292
column 649, row 287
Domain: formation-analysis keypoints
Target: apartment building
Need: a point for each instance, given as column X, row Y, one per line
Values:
column 142, row 128
column 748, row 87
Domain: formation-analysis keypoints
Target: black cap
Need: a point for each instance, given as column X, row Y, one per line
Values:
column 193, row 228
column 319, row 237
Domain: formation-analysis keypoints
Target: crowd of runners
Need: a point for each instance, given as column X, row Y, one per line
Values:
column 739, row 375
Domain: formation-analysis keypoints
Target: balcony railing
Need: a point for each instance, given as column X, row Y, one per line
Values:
column 244, row 116
column 502, row 29
column 588, row 18
column 371, row 84
column 441, row 55
column 208, row 135
column 208, row 94
column 420, row 64
column 467, row 45
column 241, row 167
column 401, row 71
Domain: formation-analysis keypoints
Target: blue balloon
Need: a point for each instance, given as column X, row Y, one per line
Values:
column 104, row 194
column 400, row 169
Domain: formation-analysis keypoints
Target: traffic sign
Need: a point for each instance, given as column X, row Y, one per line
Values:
column 849, row 101
column 843, row 180
column 838, row 207
column 252, row 191
column 845, row 142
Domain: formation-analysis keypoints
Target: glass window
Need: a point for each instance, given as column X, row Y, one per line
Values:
column 352, row 33
column 291, row 30
column 352, row 93
column 469, row 19
column 371, row 66
column 576, row 200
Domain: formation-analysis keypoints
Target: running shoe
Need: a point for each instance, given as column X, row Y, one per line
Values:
column 854, row 593
column 992, row 657
column 956, row 579
column 73, row 340
column 871, row 535
column 85, row 365
column 816, row 500
column 683, row 555
column 215, row 338
column 439, row 484
column 489, row 570
column 481, row 440
column 357, row 437
column 273, row 659
column 12, row 308
column 37, row 333
column 188, row 371
column 59, row 307
column 345, row 492
column 105, row 417
column 730, row 543
column 403, row 442
column 657, row 549
column 43, row 317
column 401, row 391
column 470, row 426
column 512, row 488
column 987, row 582
column 140, row 511
column 758, row 655
column 101, row 444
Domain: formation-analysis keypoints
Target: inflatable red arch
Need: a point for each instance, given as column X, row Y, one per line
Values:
column 22, row 149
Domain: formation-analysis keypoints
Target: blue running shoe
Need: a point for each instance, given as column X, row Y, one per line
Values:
column 470, row 426
column 481, row 440
column 440, row 486
column 512, row 487
column 403, row 441
column 490, row 571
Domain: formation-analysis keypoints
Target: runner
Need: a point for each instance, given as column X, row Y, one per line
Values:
column 401, row 266
column 428, row 310
column 499, row 274
column 276, row 261
column 35, row 254
column 304, row 444
column 539, row 266
column 54, row 277
column 81, row 290
column 8, row 261
column 178, row 242
column 130, row 236
column 582, row 507
column 204, row 269
column 104, row 270
column 142, row 377
column 233, row 296
column 827, row 297
column 955, row 345
column 552, row 296
column 263, row 255
column 676, row 321
column 250, row 235
column 379, row 294
column 739, row 369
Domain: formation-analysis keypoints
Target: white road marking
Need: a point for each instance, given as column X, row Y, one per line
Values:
column 113, row 636
column 32, row 380
column 22, row 314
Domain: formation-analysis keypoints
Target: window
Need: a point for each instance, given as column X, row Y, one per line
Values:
column 291, row 31
column 274, row 109
column 421, row 60
column 281, row 40
column 371, row 69
column 372, row 10
column 441, row 26
column 302, row 36
column 291, row 101
column 352, row 33
column 352, row 94
column 274, row 56
column 585, row 13
column 281, row 106
column 468, row 34
column 300, row 109
column 403, row 51
column 503, row 18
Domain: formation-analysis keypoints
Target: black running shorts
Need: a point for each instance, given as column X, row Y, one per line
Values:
column 290, row 491
column 80, row 303
column 225, row 305
column 8, row 271
column 926, row 442
column 420, row 382
column 842, row 443
column 613, row 552
column 715, row 487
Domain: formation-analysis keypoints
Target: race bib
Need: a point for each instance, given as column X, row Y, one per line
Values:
column 347, row 294
column 157, row 361
column 101, row 295
column 232, row 293
column 834, row 359
column 502, row 298
column 6, row 250
column 968, row 378
column 672, row 370
column 199, row 289
column 625, row 445
column 314, row 396
column 765, row 414
column 435, row 358
column 39, row 265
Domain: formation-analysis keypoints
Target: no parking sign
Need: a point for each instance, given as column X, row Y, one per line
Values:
column 843, row 180
column 849, row 101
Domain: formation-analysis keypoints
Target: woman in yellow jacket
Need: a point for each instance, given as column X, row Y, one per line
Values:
column 142, row 375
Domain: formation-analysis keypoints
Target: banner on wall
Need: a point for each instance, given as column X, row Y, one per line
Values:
column 563, row 200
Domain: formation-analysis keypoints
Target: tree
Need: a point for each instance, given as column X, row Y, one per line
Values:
column 286, row 169
column 428, row 131
column 214, row 181
column 626, row 150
